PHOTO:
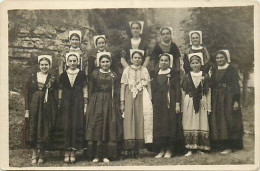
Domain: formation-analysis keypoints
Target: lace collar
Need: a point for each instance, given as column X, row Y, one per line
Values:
column 104, row 72
column 196, row 48
column 135, row 67
column 223, row 67
column 167, row 71
column 72, row 48
column 195, row 74
column 166, row 44
column 72, row 72
column 101, row 51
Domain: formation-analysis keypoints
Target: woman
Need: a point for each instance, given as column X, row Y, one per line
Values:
column 40, row 108
column 73, row 98
column 104, row 121
column 75, row 38
column 136, row 105
column 136, row 42
column 196, row 47
column 166, row 45
column 226, row 119
column 100, row 43
column 167, row 130
column 196, row 106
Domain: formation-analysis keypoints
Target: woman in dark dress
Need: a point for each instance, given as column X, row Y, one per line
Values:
column 136, row 42
column 166, row 45
column 72, row 104
column 226, row 128
column 100, row 43
column 40, row 108
column 104, row 121
column 167, row 130
column 75, row 39
column 197, row 47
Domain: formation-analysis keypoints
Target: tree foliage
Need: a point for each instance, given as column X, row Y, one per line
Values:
column 226, row 27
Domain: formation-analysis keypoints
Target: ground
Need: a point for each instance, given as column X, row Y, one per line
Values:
column 21, row 157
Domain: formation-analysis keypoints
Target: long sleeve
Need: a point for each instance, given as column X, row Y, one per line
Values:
column 176, row 55
column 207, row 60
column 85, row 88
column 122, row 92
column 209, row 100
column 186, row 64
column 175, row 84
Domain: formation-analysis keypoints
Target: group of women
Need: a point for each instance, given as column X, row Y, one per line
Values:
column 110, row 113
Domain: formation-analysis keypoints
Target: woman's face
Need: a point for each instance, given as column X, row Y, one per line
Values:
column 44, row 66
column 137, row 59
column 221, row 59
column 164, row 62
column 135, row 30
column 101, row 44
column 195, row 39
column 195, row 65
column 105, row 63
column 74, row 41
column 73, row 62
column 166, row 35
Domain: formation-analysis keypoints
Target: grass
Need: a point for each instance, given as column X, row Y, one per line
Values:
column 20, row 157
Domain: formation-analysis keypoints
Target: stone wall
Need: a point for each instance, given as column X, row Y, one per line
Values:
column 31, row 35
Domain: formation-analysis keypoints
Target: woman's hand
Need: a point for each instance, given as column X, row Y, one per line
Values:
column 235, row 106
column 178, row 107
column 85, row 100
column 26, row 115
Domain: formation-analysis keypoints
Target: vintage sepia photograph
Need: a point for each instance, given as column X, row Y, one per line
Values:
column 95, row 87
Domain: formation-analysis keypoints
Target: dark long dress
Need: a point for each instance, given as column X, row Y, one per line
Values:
column 158, row 49
column 167, row 130
column 42, row 115
column 226, row 128
column 206, row 59
column 70, row 125
column 104, row 121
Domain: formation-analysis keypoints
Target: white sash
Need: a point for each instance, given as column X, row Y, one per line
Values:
column 148, row 117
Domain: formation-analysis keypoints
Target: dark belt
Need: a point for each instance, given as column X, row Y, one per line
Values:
column 220, row 85
column 102, row 91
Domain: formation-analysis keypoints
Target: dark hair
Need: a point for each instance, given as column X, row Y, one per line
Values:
column 221, row 52
column 137, row 52
column 45, row 59
column 196, row 58
column 105, row 56
column 100, row 38
column 165, row 54
column 74, row 34
column 136, row 22
column 165, row 28
column 73, row 55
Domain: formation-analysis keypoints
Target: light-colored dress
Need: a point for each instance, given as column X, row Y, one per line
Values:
column 138, row 121
column 196, row 103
